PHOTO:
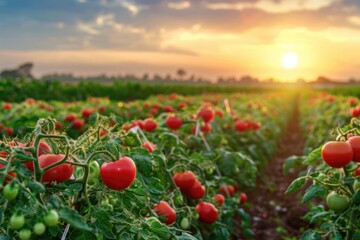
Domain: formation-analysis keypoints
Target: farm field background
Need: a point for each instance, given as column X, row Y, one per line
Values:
column 201, row 166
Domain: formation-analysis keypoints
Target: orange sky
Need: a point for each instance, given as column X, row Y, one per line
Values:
column 207, row 38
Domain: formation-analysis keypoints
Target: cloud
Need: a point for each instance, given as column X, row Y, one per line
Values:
column 132, row 7
column 354, row 20
column 179, row 6
column 281, row 6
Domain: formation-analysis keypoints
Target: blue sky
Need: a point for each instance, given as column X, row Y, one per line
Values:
column 207, row 37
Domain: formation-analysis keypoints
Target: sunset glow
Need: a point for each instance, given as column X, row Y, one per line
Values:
column 290, row 60
column 209, row 39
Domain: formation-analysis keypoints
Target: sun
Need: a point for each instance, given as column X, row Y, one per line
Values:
column 290, row 60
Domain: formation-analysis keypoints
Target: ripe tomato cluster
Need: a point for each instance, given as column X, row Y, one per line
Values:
column 340, row 154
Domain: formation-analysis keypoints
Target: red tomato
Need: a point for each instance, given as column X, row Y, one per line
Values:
column 9, row 131
column 182, row 105
column 118, row 175
column 30, row 101
column 241, row 126
column 227, row 190
column 126, row 127
column 59, row 173
column 103, row 132
column 154, row 111
column 70, row 117
column 44, row 148
column 243, row 198
column 337, row 154
column 78, row 124
column 355, row 112
column 207, row 212
column 220, row 199
column 86, row 113
column 255, row 125
column 10, row 175
column 149, row 146
column 206, row 128
column 102, row 109
column 355, row 145
column 197, row 191
column 219, row 113
column 156, row 106
column 165, row 210
column 146, row 105
column 169, row 109
column 58, row 125
column 352, row 101
column 173, row 122
column 139, row 123
column 207, row 114
column 150, row 124
column 236, row 187
column 7, row 106
column 357, row 172
column 172, row 96
column 184, row 180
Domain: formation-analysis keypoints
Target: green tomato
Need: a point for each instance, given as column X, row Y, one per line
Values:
column 94, row 174
column 178, row 199
column 17, row 221
column 184, row 224
column 356, row 186
column 25, row 234
column 10, row 192
column 337, row 202
column 52, row 218
column 39, row 228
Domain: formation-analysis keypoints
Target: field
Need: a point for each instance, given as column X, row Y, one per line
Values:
column 147, row 161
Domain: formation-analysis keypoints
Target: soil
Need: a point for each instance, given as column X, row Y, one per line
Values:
column 273, row 213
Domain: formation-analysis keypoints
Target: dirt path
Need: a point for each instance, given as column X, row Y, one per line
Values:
column 275, row 214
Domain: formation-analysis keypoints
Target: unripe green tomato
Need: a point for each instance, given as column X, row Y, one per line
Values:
column 94, row 173
column 178, row 199
column 39, row 228
column 195, row 216
column 337, row 202
column 184, row 224
column 356, row 186
column 17, row 221
column 25, row 234
column 52, row 218
column 10, row 192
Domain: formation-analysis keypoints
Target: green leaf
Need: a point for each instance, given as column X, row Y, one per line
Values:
column 319, row 215
column 313, row 156
column 93, row 119
column 310, row 235
column 185, row 236
column 336, row 236
column 292, row 162
column 73, row 218
column 158, row 228
column 296, row 185
column 312, row 192
column 356, row 198
column 143, row 161
column 102, row 222
column 36, row 187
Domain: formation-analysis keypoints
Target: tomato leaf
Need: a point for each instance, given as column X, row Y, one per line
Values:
column 73, row 218
column 296, row 185
column 310, row 235
column 313, row 156
column 312, row 192
column 356, row 199
column 292, row 162
column 102, row 222
column 143, row 161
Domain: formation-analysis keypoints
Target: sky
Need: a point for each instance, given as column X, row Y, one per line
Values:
column 208, row 38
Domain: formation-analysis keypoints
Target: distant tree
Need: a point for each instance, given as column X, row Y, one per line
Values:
column 145, row 77
column 168, row 77
column 181, row 73
column 23, row 71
